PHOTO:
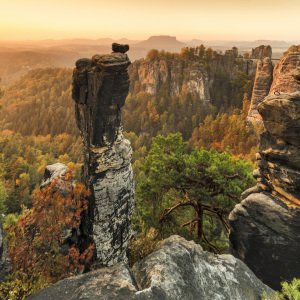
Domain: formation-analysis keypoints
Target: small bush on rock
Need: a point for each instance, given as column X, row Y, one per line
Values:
column 290, row 291
column 142, row 246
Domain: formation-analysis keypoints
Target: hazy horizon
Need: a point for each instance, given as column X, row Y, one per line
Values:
column 135, row 20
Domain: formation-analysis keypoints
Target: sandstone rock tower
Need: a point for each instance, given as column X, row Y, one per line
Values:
column 270, row 78
column 265, row 227
column 100, row 86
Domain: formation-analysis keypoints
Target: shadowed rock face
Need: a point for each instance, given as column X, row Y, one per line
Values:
column 265, row 227
column 100, row 86
column 4, row 258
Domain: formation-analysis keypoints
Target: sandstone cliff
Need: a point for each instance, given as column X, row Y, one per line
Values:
column 197, row 77
column 270, row 79
column 261, row 88
column 282, row 76
column 177, row 270
column 100, row 86
column 261, row 52
column 265, row 228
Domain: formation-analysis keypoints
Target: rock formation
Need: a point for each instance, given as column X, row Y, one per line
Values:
column 4, row 258
column 296, row 75
column 100, row 86
column 234, row 52
column 269, row 79
column 177, row 73
column 265, row 227
column 177, row 270
column 261, row 52
column 283, row 80
column 57, row 172
column 261, row 88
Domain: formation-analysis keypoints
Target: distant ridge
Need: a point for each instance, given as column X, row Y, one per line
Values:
column 161, row 42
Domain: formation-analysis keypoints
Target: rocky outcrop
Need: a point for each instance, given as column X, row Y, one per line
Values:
column 4, row 258
column 270, row 80
column 261, row 52
column 265, row 227
column 177, row 270
column 56, row 174
column 283, row 80
column 261, row 88
column 197, row 82
column 108, row 283
column 175, row 75
column 296, row 75
column 100, row 86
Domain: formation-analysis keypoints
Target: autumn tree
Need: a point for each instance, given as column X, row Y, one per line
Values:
column 34, row 244
column 196, row 190
column 152, row 54
column 201, row 50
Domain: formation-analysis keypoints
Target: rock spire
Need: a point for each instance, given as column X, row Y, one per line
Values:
column 100, row 86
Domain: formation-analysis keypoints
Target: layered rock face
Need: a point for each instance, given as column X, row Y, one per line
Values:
column 261, row 52
column 261, row 88
column 177, row 74
column 157, row 73
column 265, row 227
column 283, row 80
column 100, row 86
column 177, row 270
column 296, row 75
column 270, row 79
column 4, row 258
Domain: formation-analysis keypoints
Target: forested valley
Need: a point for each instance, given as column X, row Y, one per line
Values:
column 38, row 128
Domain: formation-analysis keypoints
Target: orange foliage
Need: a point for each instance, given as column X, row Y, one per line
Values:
column 35, row 243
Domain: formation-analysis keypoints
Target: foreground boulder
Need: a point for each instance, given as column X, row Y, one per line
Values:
column 177, row 270
column 265, row 227
column 4, row 258
column 182, row 270
column 104, row 284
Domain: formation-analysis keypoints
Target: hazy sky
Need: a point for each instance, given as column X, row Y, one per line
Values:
column 138, row 19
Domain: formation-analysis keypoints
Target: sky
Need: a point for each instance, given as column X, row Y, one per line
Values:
column 138, row 19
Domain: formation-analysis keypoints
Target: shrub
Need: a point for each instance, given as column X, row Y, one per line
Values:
column 289, row 291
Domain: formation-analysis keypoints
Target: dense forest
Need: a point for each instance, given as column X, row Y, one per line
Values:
column 38, row 125
column 204, row 142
